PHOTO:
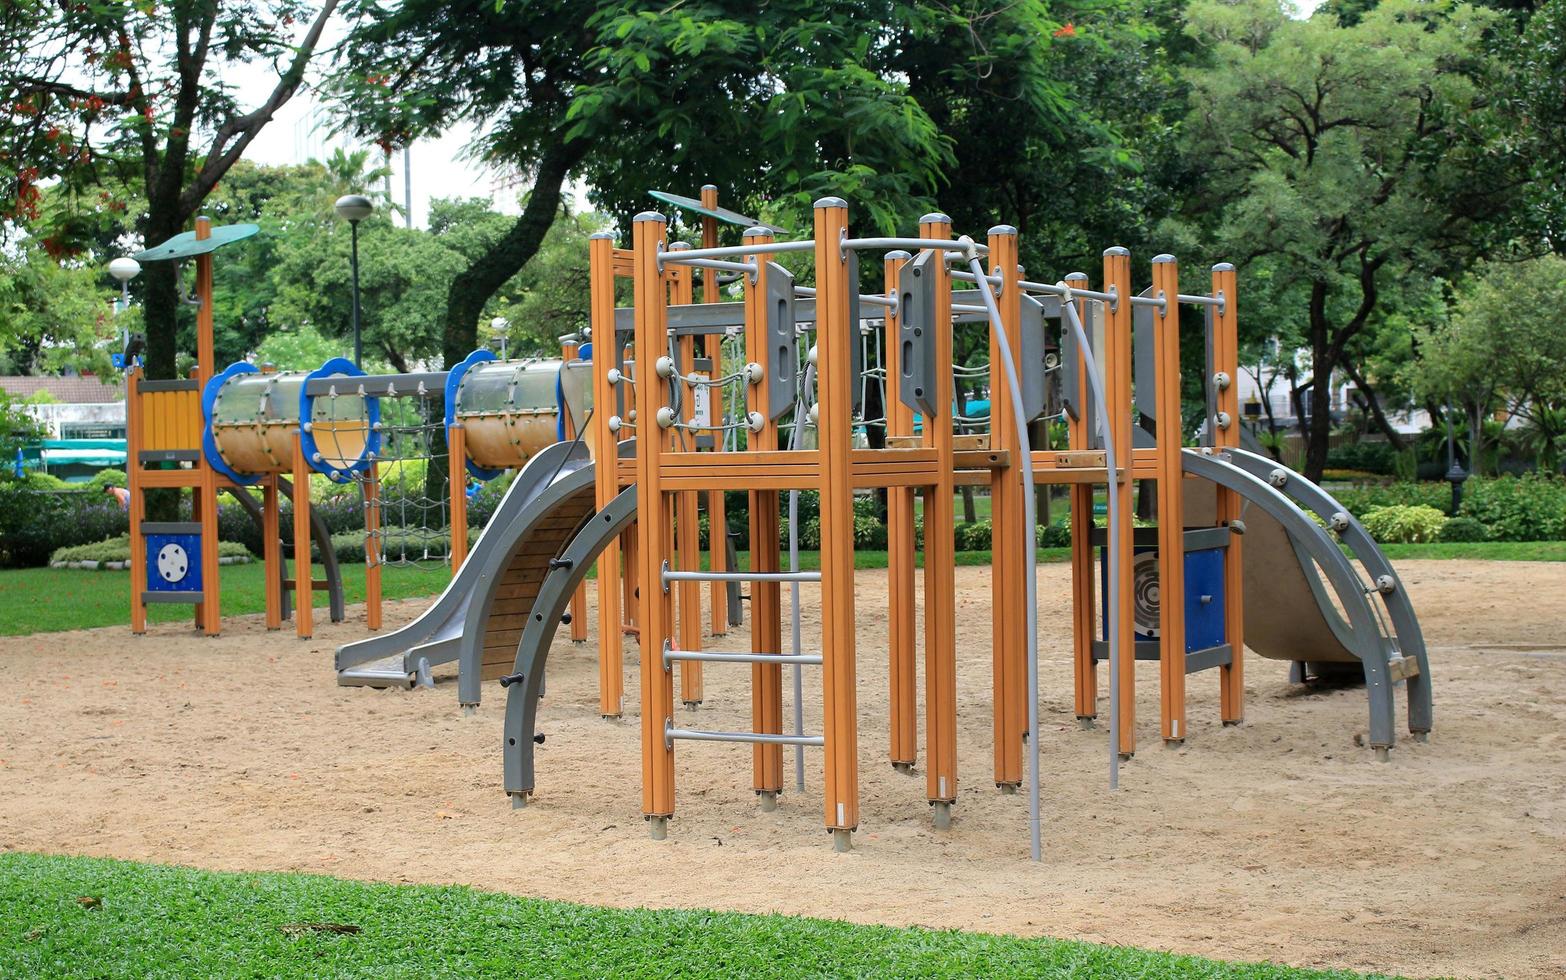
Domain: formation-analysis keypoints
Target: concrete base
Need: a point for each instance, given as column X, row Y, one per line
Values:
column 768, row 800
column 941, row 814
column 842, row 841
column 469, row 710
column 1086, row 722
column 518, row 801
column 658, row 827
column 906, row 768
column 1007, row 789
column 1383, row 753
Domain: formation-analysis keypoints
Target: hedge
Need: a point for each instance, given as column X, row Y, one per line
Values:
column 117, row 549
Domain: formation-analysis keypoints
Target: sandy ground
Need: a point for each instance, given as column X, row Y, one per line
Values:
column 1278, row 840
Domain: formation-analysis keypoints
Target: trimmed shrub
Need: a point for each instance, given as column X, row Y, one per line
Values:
column 976, row 536
column 1464, row 529
column 1361, row 500
column 1366, row 457
column 1401, row 524
column 1527, row 508
column 118, row 549
column 34, row 522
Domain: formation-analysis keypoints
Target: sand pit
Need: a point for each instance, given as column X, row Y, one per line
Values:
column 1278, row 840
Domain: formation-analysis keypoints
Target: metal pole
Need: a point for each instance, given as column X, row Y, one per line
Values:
column 357, row 349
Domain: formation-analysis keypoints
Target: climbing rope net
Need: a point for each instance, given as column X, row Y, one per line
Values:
column 407, row 513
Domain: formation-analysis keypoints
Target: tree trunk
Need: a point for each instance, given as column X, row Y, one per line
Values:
column 1373, row 403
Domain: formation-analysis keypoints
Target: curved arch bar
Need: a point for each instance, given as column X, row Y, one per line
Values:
column 570, row 469
column 1371, row 647
column 1410, row 639
column 533, row 649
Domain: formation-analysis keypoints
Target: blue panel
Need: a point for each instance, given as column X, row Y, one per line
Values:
column 1204, row 599
column 173, row 563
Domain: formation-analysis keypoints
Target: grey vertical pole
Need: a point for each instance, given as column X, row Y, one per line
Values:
column 357, row 347
column 407, row 186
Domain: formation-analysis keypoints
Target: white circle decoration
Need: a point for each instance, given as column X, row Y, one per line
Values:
column 173, row 563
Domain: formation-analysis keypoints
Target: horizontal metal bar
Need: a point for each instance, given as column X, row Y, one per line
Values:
column 945, row 244
column 1072, row 291
column 744, row 268
column 168, row 455
column 170, row 527
column 1200, row 300
column 735, row 251
column 695, row 735
column 961, row 276
column 150, row 385
column 1218, row 656
column 379, row 385
column 704, row 319
column 677, row 576
column 1158, row 301
column 168, row 597
column 969, row 308
column 714, row 657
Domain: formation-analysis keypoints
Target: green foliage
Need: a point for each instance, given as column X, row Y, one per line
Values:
column 1366, row 457
column 1463, row 529
column 18, row 427
column 118, row 549
column 1403, row 524
column 34, row 522
column 1361, row 500
column 55, row 315
column 1528, row 508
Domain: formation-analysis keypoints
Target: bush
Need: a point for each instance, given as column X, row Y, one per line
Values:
column 869, row 533
column 976, row 536
column 34, row 522
column 1400, row 524
column 1464, row 529
column 1361, row 500
column 1527, row 508
column 1057, row 535
column 1367, row 457
column 118, row 549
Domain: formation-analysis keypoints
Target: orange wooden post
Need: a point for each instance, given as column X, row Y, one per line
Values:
column 1084, row 610
column 272, row 553
column 940, row 557
column 457, row 485
column 766, row 598
column 836, row 332
column 687, row 527
column 1171, row 509
column 1009, row 557
column 304, row 591
column 901, row 555
column 1226, row 363
column 717, row 511
column 208, row 613
column 138, row 506
column 611, row 657
column 1116, row 365
column 655, row 521
column 373, row 552
column 568, row 352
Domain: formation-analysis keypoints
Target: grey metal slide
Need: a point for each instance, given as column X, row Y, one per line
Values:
column 506, row 555
column 1306, row 601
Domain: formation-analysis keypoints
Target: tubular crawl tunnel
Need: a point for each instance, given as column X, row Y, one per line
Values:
column 511, row 416
column 1306, row 602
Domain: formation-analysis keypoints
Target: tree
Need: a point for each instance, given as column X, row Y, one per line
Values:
column 1504, row 346
column 1529, row 79
column 104, row 93
column 773, row 100
column 1344, row 161
column 54, row 316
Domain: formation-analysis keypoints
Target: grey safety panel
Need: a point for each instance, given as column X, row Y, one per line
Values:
column 916, row 328
column 782, row 364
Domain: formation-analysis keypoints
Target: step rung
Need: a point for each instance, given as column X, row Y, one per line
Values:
column 670, row 733
column 675, row 576
column 715, row 657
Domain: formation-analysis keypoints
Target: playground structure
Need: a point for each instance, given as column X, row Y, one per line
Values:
column 783, row 411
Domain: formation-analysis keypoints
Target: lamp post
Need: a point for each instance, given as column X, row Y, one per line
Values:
column 124, row 269
column 497, row 329
column 1455, row 474
column 354, row 208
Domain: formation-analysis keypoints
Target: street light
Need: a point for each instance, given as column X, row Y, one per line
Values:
column 497, row 329
column 124, row 269
column 354, row 208
column 1455, row 474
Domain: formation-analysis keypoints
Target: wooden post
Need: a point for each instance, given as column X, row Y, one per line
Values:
column 457, row 486
column 1171, row 510
column 655, row 522
column 1084, row 609
column 1226, row 360
column 687, row 527
column 568, row 353
column 1116, row 365
column 304, row 591
column 138, row 506
column 204, row 504
column 836, row 331
column 272, row 552
column 766, row 598
column 373, row 551
column 611, row 657
column 901, row 556
column 1009, row 537
column 717, row 511
column 940, row 602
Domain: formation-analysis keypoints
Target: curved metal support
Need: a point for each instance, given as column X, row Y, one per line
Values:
column 554, row 596
column 1410, row 639
column 323, row 540
column 571, row 475
column 1371, row 647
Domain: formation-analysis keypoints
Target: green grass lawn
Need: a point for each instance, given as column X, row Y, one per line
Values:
column 45, row 600
column 87, row 917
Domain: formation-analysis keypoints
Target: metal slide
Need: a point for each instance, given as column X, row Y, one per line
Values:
column 1308, row 602
column 398, row 658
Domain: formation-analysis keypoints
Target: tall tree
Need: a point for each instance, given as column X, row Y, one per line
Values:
column 772, row 99
column 135, row 95
column 1344, row 161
